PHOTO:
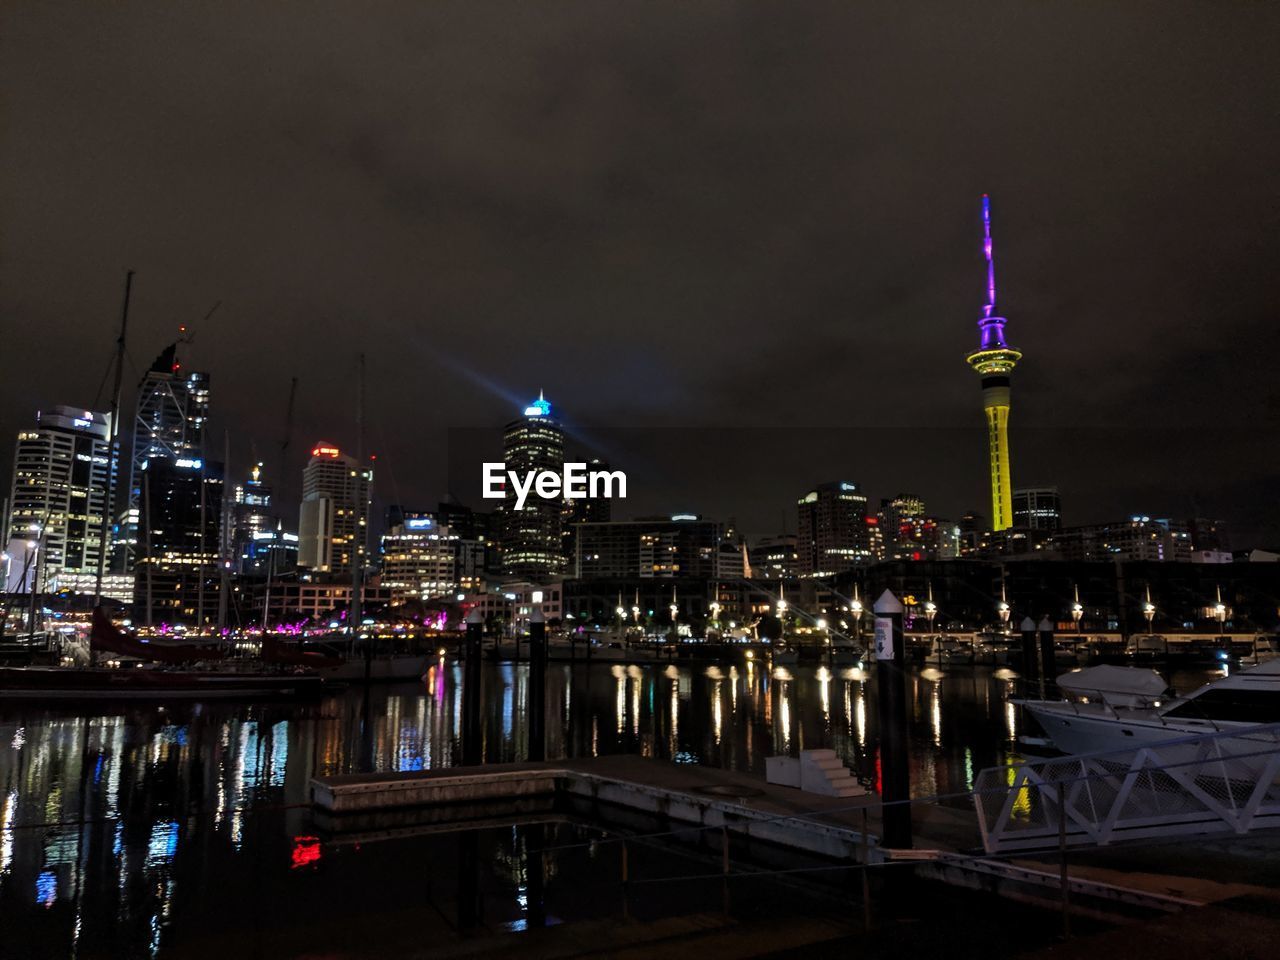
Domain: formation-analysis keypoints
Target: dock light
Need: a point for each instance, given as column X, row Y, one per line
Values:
column 822, row 624
column 620, row 612
column 751, row 654
column 782, row 607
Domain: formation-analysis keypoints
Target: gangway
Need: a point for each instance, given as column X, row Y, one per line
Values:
column 1224, row 782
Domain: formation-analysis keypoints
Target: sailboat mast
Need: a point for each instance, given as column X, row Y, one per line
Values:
column 224, row 537
column 113, row 446
column 355, row 608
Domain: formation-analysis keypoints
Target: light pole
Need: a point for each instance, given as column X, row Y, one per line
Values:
column 1077, row 611
column 1149, row 611
column 1220, row 612
column 930, row 609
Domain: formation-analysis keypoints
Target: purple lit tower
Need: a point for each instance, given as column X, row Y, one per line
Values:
column 994, row 361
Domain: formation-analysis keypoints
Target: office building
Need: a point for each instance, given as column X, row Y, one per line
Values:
column 169, row 422
column 63, row 479
column 177, row 575
column 680, row 546
column 1037, row 508
column 530, row 539
column 333, row 522
column 831, row 533
column 775, row 558
column 419, row 559
column 248, row 519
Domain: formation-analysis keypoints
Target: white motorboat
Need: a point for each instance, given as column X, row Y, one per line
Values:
column 945, row 649
column 1114, row 708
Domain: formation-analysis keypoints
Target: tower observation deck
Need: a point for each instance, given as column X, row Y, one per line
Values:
column 994, row 361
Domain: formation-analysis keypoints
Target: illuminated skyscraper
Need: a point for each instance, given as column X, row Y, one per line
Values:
column 832, row 532
column 530, row 540
column 994, row 361
column 334, row 520
column 63, row 476
column 169, row 422
column 178, row 543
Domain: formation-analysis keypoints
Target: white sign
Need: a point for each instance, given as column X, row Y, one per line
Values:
column 884, row 638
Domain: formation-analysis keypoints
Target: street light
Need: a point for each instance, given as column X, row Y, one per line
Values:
column 1220, row 612
column 1077, row 611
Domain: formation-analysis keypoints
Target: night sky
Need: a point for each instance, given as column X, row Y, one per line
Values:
column 737, row 244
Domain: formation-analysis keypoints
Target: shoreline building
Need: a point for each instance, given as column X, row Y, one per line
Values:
column 531, row 540
column 994, row 361
column 1037, row 508
column 179, row 544
column 168, row 423
column 831, row 533
column 333, row 521
column 63, row 480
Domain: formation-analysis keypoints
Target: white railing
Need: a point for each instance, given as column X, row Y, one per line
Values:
column 1225, row 782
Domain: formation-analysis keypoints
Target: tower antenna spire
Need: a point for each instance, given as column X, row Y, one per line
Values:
column 990, row 306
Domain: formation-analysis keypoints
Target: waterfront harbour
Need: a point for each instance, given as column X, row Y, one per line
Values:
column 175, row 829
column 642, row 479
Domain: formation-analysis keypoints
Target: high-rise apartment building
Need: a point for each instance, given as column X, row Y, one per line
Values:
column 831, row 534
column 333, row 523
column 63, row 478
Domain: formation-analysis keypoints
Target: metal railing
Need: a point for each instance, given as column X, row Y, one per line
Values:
column 1224, row 782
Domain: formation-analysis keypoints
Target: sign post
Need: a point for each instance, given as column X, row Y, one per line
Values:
column 891, row 685
column 471, row 736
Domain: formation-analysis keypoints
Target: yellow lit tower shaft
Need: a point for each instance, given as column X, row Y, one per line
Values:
column 994, row 361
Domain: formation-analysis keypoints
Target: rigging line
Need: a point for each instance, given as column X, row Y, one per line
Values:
column 103, row 383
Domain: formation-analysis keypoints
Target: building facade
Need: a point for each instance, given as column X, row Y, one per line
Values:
column 178, row 546
column 63, row 479
column 680, row 546
column 1037, row 508
column 169, row 423
column 333, row 522
column 831, row 530
column 531, row 539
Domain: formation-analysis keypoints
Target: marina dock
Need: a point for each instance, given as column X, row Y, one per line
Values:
column 633, row 794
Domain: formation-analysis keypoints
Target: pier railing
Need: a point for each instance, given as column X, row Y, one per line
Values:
column 1225, row 782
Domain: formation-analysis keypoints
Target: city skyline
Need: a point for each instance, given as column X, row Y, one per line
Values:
column 646, row 284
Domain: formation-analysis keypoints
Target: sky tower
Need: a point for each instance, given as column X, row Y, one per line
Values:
column 994, row 361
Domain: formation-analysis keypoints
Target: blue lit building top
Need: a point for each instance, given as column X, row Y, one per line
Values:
column 539, row 407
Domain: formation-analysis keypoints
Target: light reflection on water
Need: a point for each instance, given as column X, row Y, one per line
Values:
column 101, row 809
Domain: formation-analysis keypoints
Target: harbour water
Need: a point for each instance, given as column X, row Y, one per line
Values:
column 142, row 830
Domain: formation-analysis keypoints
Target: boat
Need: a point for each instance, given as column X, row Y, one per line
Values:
column 991, row 648
column 1114, row 708
column 136, row 668
column 946, row 649
column 380, row 668
column 1147, row 647
column 151, row 683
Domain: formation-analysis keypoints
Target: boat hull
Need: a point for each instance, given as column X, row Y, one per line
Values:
column 63, row 683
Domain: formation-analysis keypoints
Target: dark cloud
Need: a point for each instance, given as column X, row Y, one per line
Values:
column 744, row 215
